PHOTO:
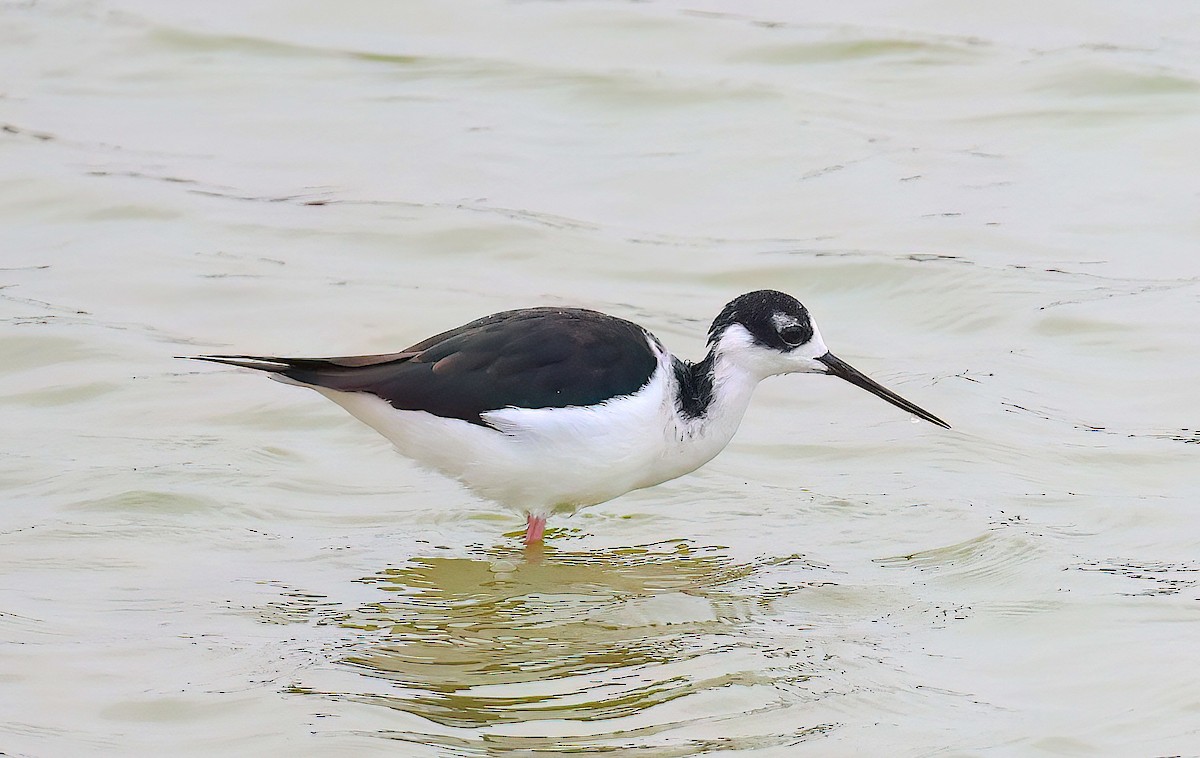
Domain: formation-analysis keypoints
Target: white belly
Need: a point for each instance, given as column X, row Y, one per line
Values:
column 547, row 459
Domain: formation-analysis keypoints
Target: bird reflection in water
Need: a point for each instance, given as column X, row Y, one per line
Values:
column 625, row 648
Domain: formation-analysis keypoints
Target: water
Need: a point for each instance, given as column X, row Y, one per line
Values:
column 991, row 210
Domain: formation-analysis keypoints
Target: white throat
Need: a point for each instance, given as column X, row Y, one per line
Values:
column 701, row 434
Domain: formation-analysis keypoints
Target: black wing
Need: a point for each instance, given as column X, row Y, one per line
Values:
column 530, row 358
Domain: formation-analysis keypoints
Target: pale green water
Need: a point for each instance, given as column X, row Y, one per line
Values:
column 991, row 210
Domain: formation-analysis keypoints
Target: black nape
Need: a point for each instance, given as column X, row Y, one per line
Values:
column 695, row 386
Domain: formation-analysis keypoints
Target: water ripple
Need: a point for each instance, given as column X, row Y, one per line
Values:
column 637, row 649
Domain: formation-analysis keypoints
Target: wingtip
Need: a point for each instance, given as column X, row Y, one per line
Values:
column 258, row 363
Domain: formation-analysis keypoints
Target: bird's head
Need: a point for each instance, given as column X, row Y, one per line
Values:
column 766, row 333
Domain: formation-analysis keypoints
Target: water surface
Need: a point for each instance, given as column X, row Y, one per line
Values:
column 990, row 210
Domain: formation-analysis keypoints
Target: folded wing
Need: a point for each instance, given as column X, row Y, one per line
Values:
column 530, row 358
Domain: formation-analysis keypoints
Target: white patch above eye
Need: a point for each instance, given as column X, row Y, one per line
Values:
column 781, row 320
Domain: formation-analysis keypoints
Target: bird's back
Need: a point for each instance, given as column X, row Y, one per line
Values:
column 528, row 358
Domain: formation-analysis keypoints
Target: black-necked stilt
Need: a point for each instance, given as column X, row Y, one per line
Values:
column 550, row 409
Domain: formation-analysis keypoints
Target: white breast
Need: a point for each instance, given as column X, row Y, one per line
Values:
column 547, row 459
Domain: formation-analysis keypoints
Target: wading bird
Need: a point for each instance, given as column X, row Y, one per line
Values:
column 547, row 410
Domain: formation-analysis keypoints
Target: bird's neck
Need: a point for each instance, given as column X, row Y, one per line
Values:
column 712, row 393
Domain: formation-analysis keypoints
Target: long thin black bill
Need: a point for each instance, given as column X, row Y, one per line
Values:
column 839, row 368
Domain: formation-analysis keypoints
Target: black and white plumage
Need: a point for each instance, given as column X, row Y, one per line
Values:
column 552, row 409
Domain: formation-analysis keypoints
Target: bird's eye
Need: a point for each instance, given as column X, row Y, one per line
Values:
column 793, row 335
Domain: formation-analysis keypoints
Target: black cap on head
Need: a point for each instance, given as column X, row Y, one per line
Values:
column 774, row 319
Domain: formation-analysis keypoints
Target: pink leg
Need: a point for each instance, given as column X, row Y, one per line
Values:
column 535, row 526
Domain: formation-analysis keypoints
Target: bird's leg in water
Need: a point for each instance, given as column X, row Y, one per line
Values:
column 535, row 526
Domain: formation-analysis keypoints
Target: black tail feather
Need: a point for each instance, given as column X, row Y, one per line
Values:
column 265, row 362
column 351, row 373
